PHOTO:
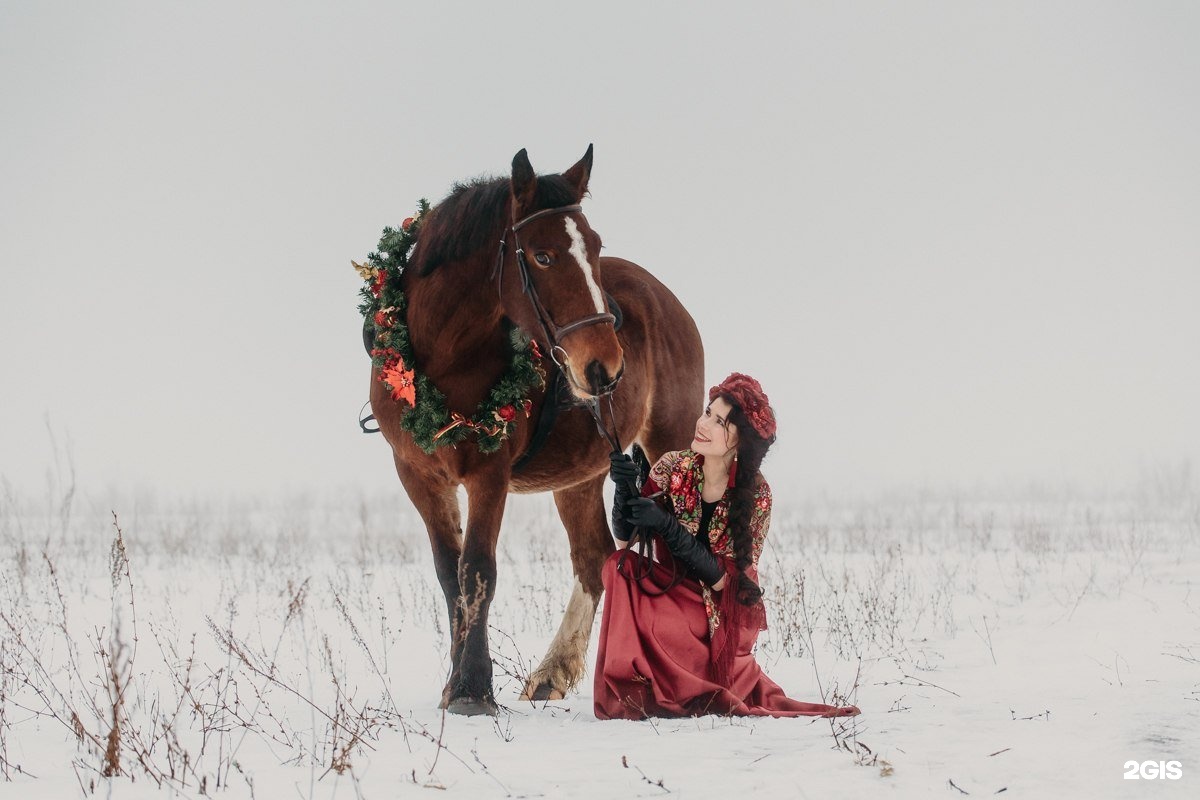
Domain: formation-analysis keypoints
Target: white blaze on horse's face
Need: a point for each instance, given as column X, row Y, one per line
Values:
column 579, row 250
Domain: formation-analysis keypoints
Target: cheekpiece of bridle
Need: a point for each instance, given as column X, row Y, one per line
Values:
column 553, row 332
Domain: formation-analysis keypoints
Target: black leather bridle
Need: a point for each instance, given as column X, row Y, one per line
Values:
column 552, row 331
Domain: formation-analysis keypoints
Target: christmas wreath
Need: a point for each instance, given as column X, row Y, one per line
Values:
column 430, row 422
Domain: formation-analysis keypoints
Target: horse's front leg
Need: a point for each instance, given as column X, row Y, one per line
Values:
column 469, row 690
column 435, row 497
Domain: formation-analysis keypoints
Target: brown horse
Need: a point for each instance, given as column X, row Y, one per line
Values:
column 461, row 298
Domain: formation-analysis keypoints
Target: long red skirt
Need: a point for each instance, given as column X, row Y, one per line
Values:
column 655, row 658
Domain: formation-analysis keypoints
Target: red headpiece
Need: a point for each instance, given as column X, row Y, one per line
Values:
column 749, row 396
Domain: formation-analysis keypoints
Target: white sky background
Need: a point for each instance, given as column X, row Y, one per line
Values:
column 957, row 242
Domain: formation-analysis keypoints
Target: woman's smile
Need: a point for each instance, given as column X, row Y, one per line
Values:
column 714, row 436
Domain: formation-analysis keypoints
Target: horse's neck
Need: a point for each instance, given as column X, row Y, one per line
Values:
column 454, row 326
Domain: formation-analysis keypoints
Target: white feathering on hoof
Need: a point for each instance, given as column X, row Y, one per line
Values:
column 564, row 663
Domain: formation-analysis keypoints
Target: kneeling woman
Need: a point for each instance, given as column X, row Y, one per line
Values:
column 681, row 648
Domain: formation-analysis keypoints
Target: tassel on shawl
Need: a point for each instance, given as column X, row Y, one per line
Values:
column 734, row 618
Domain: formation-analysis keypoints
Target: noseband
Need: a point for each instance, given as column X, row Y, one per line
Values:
column 553, row 332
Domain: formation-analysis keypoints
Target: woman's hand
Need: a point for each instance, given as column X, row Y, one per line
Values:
column 623, row 471
column 624, row 474
column 645, row 513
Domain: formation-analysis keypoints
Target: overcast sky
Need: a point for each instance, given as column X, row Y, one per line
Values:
column 958, row 242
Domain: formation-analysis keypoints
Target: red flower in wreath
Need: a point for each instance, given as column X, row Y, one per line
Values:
column 408, row 221
column 401, row 381
column 380, row 281
column 505, row 414
column 381, row 320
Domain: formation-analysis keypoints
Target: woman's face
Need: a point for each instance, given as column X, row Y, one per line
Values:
column 715, row 436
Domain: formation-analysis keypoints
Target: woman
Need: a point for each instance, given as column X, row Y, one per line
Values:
column 687, row 650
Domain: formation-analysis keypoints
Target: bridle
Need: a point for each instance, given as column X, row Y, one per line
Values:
column 553, row 332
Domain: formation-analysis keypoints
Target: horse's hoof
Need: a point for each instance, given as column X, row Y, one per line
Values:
column 473, row 706
column 542, row 692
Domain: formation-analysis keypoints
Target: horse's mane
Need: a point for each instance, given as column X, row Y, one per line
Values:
column 473, row 218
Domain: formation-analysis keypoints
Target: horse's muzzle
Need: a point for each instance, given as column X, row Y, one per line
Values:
column 599, row 382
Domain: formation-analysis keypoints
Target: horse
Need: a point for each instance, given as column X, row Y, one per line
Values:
column 518, row 251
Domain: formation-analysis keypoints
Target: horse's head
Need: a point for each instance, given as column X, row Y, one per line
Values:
column 550, row 281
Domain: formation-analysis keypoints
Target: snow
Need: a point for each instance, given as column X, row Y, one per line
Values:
column 1030, row 646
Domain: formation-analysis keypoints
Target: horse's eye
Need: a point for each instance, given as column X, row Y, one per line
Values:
column 542, row 258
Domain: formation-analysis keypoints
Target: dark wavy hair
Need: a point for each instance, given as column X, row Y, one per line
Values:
column 751, row 450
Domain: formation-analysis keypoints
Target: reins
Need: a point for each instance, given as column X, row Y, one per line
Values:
column 641, row 539
column 554, row 335
column 610, row 436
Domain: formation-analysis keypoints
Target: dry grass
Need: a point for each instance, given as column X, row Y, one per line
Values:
column 275, row 630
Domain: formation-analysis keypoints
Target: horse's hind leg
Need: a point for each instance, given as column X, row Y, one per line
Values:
column 582, row 510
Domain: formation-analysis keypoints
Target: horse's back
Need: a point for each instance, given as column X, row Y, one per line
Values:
column 652, row 306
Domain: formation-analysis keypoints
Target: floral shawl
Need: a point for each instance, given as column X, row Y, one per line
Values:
column 680, row 475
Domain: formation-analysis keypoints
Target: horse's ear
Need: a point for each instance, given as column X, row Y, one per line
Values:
column 524, row 182
column 577, row 176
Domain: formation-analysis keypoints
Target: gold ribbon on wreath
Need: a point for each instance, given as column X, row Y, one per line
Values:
column 457, row 419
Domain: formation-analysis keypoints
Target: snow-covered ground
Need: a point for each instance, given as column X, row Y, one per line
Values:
column 1030, row 646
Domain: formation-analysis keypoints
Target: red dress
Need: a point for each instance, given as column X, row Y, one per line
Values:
column 687, row 651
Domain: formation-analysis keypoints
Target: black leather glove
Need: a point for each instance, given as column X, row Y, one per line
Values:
column 624, row 474
column 644, row 512
column 623, row 471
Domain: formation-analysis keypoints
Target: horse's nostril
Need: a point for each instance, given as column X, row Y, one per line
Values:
column 597, row 377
